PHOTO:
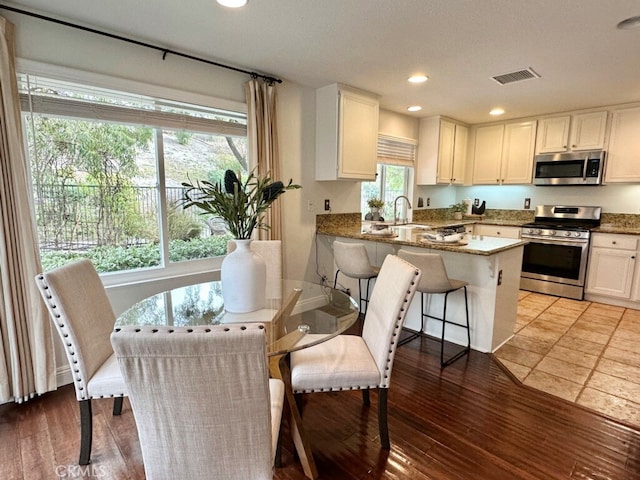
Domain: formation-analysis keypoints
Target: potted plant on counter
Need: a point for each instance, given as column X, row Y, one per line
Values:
column 375, row 205
column 242, row 205
column 458, row 209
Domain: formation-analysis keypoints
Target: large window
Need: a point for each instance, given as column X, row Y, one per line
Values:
column 107, row 169
column 393, row 178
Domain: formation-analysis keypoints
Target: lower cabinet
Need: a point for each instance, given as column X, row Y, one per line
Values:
column 611, row 271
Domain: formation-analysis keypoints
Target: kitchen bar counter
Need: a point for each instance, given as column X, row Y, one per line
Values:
column 491, row 266
column 412, row 236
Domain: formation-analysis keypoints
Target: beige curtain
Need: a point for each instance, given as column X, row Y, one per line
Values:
column 27, row 363
column 263, row 144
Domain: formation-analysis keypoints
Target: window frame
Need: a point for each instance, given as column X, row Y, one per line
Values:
column 393, row 151
column 170, row 269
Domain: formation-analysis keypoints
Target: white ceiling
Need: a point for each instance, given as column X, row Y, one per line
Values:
column 583, row 60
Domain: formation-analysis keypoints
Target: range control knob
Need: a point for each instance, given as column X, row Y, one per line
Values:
column 552, row 233
column 568, row 234
column 577, row 234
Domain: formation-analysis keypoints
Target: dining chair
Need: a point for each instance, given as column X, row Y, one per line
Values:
column 352, row 260
column 436, row 281
column 202, row 400
column 350, row 362
column 81, row 312
column 271, row 253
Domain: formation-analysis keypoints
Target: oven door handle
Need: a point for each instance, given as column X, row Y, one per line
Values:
column 556, row 241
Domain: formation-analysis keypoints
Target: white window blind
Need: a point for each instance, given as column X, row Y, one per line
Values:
column 396, row 150
column 46, row 96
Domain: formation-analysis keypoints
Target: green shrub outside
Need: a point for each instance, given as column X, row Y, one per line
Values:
column 114, row 258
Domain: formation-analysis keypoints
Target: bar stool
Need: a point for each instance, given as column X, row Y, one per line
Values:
column 435, row 280
column 352, row 260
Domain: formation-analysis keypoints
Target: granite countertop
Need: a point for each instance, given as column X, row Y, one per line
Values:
column 412, row 236
column 617, row 229
column 350, row 225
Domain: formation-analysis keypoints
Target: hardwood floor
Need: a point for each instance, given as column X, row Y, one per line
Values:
column 469, row 421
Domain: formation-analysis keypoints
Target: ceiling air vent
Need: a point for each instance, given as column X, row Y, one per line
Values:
column 518, row 76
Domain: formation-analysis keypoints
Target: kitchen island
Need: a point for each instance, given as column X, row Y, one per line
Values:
column 490, row 265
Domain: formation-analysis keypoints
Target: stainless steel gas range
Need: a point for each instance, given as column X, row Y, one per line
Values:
column 555, row 259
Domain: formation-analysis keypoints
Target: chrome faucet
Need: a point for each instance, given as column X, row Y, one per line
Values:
column 395, row 208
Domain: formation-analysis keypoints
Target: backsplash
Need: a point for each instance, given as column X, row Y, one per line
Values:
column 622, row 220
column 354, row 220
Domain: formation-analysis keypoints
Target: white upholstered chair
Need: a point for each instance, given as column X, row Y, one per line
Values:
column 271, row 253
column 202, row 400
column 350, row 362
column 82, row 314
column 435, row 280
column 351, row 259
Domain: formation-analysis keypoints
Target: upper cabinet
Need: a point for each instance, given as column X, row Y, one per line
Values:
column 442, row 152
column 623, row 157
column 346, row 134
column 584, row 131
column 503, row 154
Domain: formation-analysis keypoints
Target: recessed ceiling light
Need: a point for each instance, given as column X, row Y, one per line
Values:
column 496, row 111
column 232, row 3
column 418, row 78
column 632, row 22
column 414, row 108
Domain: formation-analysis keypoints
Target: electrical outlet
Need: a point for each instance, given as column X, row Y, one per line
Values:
column 428, row 201
column 327, row 205
column 309, row 205
column 527, row 203
column 476, row 201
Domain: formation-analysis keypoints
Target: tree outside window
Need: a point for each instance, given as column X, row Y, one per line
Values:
column 109, row 190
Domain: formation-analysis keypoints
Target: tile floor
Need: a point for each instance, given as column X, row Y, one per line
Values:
column 584, row 352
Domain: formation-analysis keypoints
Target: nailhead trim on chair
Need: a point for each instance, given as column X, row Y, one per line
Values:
column 396, row 328
column 389, row 358
column 78, row 380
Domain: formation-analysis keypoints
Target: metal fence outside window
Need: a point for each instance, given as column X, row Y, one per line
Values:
column 81, row 217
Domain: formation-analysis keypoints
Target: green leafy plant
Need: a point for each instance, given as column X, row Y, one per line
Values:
column 460, row 207
column 241, row 205
column 375, row 203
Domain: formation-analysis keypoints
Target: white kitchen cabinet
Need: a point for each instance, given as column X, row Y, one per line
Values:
column 583, row 131
column 346, row 134
column 503, row 154
column 442, row 152
column 487, row 154
column 623, row 156
column 612, row 261
column 481, row 229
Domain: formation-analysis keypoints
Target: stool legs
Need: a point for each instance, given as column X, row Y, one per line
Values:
column 465, row 350
column 443, row 362
column 421, row 332
column 364, row 301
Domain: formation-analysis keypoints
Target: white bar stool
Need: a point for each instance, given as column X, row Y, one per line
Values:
column 353, row 261
column 435, row 280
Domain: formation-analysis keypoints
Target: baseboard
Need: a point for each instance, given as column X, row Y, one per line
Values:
column 63, row 376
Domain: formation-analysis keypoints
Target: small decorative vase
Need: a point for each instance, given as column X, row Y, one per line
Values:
column 244, row 279
column 457, row 215
column 375, row 214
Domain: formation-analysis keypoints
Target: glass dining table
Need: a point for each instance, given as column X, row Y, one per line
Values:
column 305, row 314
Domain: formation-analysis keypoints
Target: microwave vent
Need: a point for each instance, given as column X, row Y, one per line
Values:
column 518, row 76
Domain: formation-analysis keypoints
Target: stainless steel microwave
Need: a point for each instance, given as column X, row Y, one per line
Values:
column 575, row 168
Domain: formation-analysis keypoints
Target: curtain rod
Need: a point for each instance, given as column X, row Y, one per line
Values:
column 164, row 51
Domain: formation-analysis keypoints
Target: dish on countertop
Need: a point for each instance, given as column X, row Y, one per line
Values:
column 438, row 237
column 457, row 243
column 381, row 233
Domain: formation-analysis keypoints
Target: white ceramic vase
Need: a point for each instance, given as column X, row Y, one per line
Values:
column 244, row 279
